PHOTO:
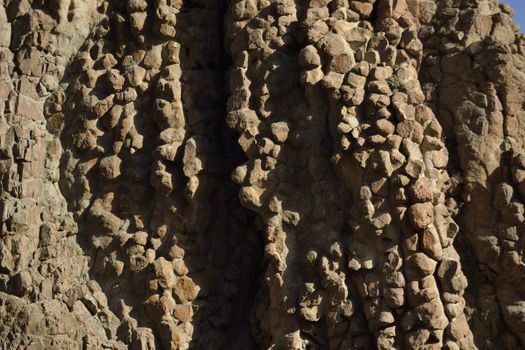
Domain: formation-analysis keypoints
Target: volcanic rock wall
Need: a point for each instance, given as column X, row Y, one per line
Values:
column 261, row 174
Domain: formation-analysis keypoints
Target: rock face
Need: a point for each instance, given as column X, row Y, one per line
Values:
column 261, row 174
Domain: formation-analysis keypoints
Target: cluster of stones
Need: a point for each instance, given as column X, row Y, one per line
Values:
column 471, row 64
column 375, row 247
column 288, row 182
column 128, row 146
column 106, row 177
column 402, row 226
column 139, row 121
column 121, row 217
column 46, row 297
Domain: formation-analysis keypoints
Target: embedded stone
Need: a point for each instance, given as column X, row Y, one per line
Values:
column 342, row 63
column 421, row 215
column 381, row 73
column 380, row 87
column 503, row 196
column 422, row 263
column 280, row 131
column 333, row 80
column 309, row 58
column 431, row 243
column 333, row 45
column 421, row 191
column 110, row 167
column 410, row 129
column 385, row 127
column 356, row 81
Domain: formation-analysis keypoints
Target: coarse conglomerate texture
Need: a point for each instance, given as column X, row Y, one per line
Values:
column 261, row 174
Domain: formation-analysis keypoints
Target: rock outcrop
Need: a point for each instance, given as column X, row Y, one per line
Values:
column 261, row 174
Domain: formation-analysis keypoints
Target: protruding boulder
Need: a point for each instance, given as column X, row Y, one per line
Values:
column 421, row 215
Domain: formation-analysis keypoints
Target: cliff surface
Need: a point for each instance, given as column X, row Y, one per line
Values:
column 261, row 174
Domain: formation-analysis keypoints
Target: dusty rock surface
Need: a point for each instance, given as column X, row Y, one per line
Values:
column 261, row 174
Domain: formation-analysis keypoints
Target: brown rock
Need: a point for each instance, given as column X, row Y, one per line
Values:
column 110, row 167
column 185, row 289
column 280, row 131
column 421, row 191
column 422, row 263
column 309, row 58
column 421, row 215
column 358, row 132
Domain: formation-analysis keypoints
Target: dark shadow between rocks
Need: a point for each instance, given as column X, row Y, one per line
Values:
column 222, row 251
